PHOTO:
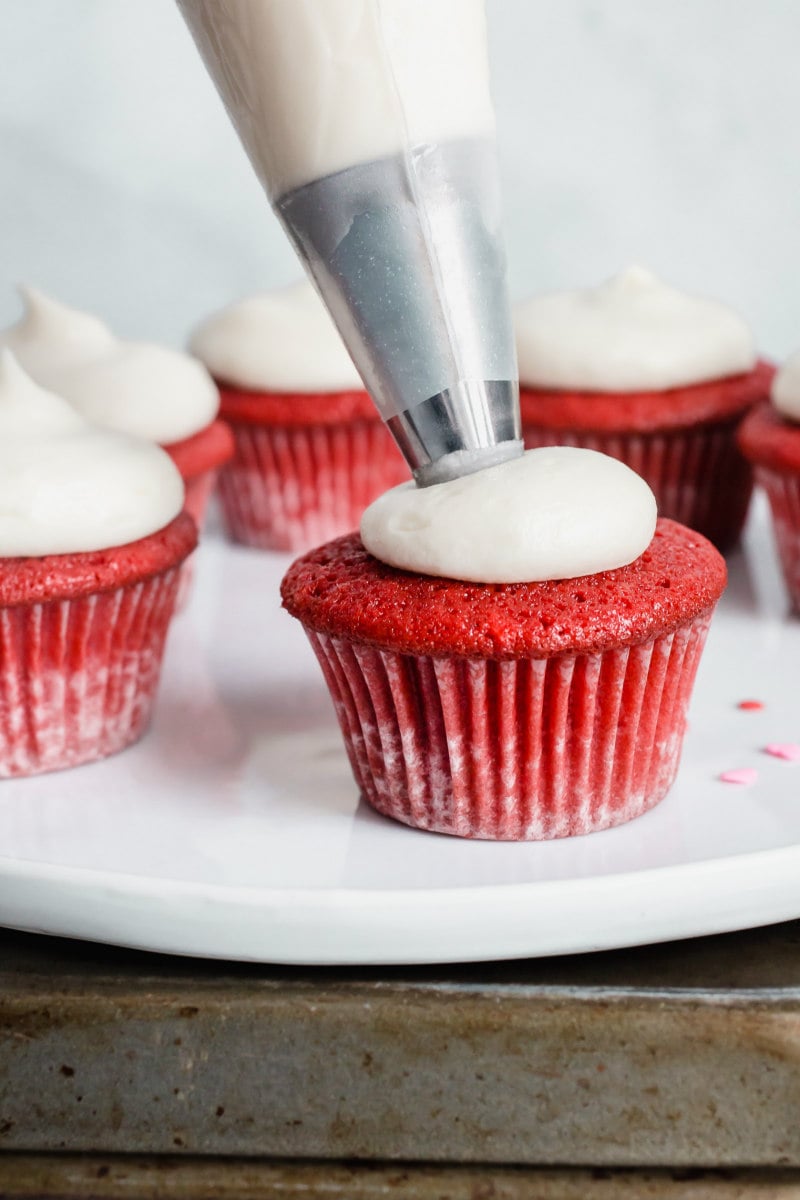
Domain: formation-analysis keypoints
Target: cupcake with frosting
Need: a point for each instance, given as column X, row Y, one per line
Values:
column 311, row 450
column 137, row 388
column 770, row 438
column 92, row 536
column 658, row 379
column 511, row 655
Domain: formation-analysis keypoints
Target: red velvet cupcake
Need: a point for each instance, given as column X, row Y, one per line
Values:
column 81, row 643
column 136, row 388
column 311, row 451
column 91, row 544
column 512, row 711
column 653, row 377
column 770, row 438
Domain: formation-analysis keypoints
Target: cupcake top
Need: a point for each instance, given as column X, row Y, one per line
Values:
column 786, row 388
column 553, row 513
column 67, row 486
column 138, row 388
column 633, row 333
column 281, row 341
column 342, row 591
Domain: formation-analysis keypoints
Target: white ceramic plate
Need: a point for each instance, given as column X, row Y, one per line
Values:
column 234, row 829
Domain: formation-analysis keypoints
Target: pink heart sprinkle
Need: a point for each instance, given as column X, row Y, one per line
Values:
column 790, row 751
column 742, row 775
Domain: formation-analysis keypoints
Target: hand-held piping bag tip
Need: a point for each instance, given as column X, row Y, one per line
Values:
column 408, row 255
column 466, row 428
column 387, row 185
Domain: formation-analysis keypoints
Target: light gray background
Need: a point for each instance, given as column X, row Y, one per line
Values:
column 630, row 130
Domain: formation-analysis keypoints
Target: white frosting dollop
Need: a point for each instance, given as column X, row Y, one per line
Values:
column 786, row 388
column 630, row 334
column 67, row 486
column 554, row 513
column 138, row 388
column 281, row 341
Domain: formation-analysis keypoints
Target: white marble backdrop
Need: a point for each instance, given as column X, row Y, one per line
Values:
column 630, row 130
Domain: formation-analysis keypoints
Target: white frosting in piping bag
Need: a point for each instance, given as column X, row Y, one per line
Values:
column 281, row 341
column 786, row 388
column 370, row 125
column 554, row 513
column 67, row 486
column 376, row 76
column 138, row 388
column 632, row 333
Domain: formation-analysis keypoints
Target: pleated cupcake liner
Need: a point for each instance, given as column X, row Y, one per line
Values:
column 529, row 749
column 699, row 476
column 198, row 490
column 291, row 488
column 78, row 677
column 783, row 493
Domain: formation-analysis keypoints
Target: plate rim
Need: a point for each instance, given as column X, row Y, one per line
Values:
column 288, row 936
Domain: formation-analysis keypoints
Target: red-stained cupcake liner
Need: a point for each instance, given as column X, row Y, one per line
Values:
column 78, row 677
column 292, row 487
column 699, row 476
column 198, row 458
column 527, row 749
column 198, row 492
column 783, row 492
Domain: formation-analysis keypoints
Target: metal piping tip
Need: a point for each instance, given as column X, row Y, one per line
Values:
column 407, row 253
column 465, row 462
column 463, row 429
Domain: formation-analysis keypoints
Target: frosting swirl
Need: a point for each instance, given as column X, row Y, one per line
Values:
column 281, row 341
column 138, row 388
column 554, row 513
column 633, row 333
column 67, row 486
column 786, row 388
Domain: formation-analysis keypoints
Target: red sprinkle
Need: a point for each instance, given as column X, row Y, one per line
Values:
column 750, row 705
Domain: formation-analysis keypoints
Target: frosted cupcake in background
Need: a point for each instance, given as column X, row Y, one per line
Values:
column 311, row 450
column 770, row 439
column 511, row 655
column 137, row 388
column 654, row 377
column 92, row 537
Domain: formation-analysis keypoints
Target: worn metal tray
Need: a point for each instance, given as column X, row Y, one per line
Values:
column 684, row 1055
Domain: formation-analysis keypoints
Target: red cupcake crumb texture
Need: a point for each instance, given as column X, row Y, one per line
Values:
column 295, row 408
column 68, row 576
column 341, row 590
column 768, row 439
column 647, row 412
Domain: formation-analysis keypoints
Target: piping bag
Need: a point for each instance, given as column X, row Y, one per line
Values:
column 371, row 128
